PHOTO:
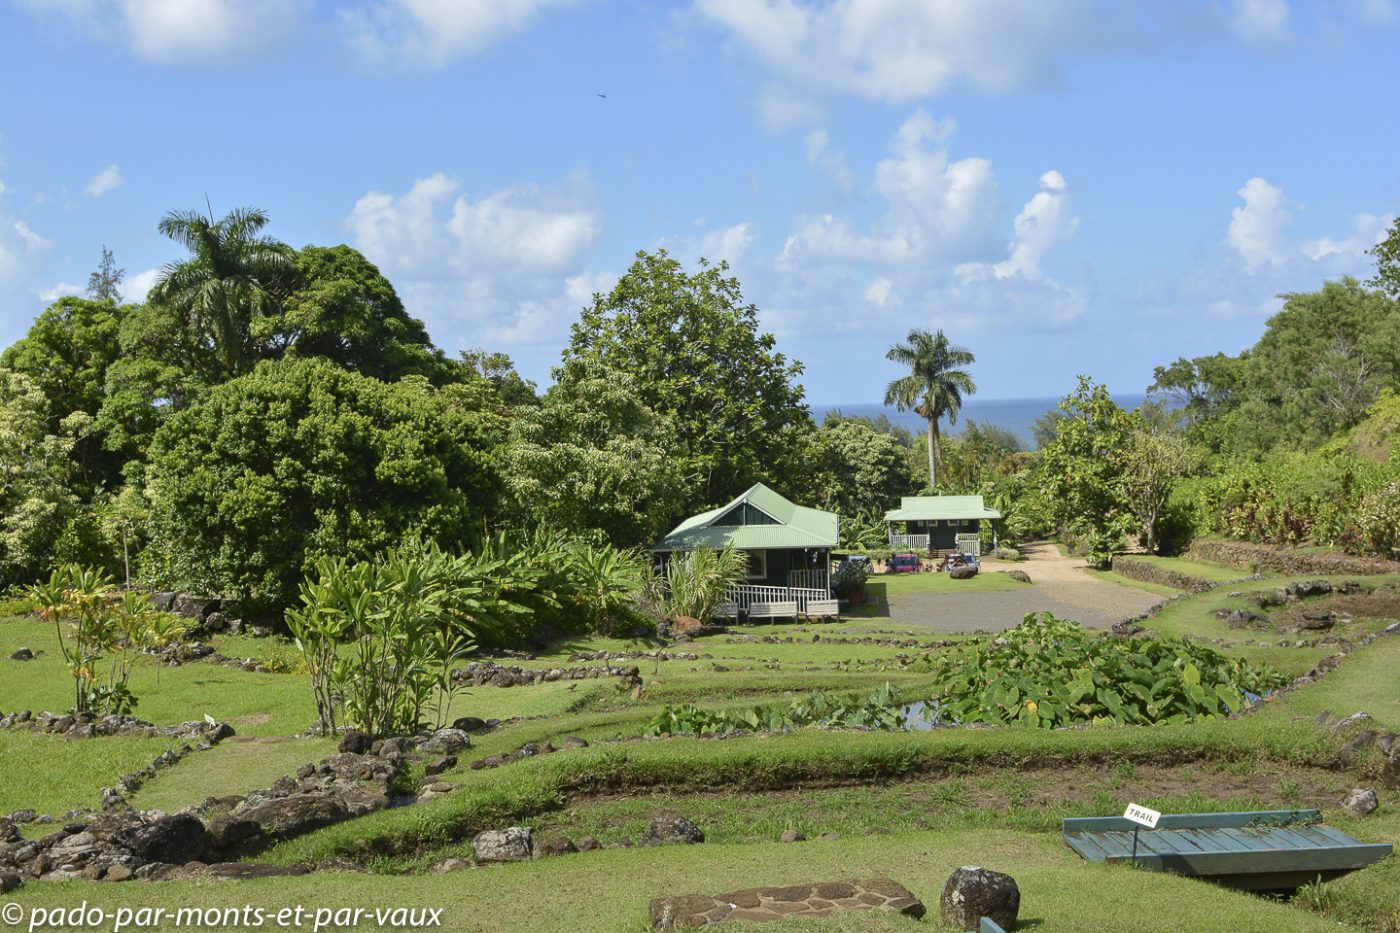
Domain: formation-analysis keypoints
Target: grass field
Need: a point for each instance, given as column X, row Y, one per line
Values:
column 911, row 806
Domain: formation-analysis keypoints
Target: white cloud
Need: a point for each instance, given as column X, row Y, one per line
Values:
column 1368, row 230
column 830, row 164
column 104, row 181
column 728, row 244
column 61, row 290
column 1045, row 222
column 182, row 31
column 22, row 258
column 135, row 288
column 938, row 208
column 1257, row 229
column 878, row 291
column 1261, row 21
column 507, row 264
column 901, row 50
column 432, row 32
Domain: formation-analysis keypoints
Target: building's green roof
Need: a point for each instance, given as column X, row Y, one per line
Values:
column 797, row 526
column 934, row 508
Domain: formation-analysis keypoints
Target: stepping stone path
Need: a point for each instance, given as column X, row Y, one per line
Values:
column 778, row 903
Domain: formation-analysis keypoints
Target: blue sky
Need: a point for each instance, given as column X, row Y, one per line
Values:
column 1064, row 186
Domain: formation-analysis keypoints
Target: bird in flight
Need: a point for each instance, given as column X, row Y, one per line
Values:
column 604, row 96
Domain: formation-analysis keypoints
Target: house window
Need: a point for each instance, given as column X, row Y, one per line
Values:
column 758, row 565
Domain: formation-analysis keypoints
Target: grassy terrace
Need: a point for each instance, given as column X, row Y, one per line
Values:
column 912, row 806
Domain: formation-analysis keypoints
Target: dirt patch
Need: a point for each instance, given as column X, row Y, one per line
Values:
column 255, row 719
column 1381, row 604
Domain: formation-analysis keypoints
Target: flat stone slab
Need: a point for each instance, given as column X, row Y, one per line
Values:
column 821, row 899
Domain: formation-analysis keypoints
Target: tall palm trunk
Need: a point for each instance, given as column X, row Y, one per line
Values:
column 933, row 451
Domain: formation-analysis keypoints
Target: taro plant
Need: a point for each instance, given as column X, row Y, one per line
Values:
column 1050, row 672
column 101, row 634
column 882, row 709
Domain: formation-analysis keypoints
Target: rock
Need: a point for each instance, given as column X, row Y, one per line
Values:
column 194, row 607
column 216, row 622
column 448, row 741
column 670, row 831
column 118, row 872
column 9, row 880
column 1019, row 575
column 820, row 899
column 439, row 765
column 23, row 816
column 503, row 845
column 449, row 865
column 792, row 835
column 972, row 893
column 962, row 573
column 342, row 865
column 243, row 871
column 77, row 846
column 230, row 832
column 573, row 741
column 23, row 654
column 828, row 837
column 1305, row 588
column 1361, row 802
column 588, row 844
column 469, row 724
column 554, row 845
column 355, row 742
column 1244, row 618
column 1318, row 619
column 175, row 839
column 286, row 817
column 1348, row 752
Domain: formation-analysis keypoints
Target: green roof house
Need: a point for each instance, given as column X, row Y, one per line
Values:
column 789, row 545
column 938, row 523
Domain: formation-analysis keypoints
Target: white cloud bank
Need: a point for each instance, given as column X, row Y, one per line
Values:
column 505, row 266
column 430, row 33
column 182, row 31
column 103, row 182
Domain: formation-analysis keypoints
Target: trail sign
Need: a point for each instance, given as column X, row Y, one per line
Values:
column 1142, row 816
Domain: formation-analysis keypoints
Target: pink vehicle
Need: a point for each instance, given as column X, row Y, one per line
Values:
column 905, row 563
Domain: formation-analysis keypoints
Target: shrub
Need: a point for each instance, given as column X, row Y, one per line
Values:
column 881, row 709
column 1007, row 552
column 696, row 580
column 1050, row 672
column 301, row 460
column 1378, row 522
column 850, row 578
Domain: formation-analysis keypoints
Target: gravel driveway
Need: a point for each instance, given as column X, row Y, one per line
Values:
column 1061, row 585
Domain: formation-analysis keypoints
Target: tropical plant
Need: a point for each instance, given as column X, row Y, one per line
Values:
column 232, row 278
column 935, row 386
column 1050, row 672
column 880, row 709
column 850, row 578
column 697, row 580
column 101, row 634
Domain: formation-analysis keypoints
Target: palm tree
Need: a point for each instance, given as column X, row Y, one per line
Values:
column 935, row 385
column 231, row 278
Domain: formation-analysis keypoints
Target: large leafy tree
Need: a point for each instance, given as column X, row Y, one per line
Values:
column 341, row 308
column 592, row 455
column 301, row 459
column 233, row 278
column 1081, row 471
column 857, row 468
column 695, row 350
column 1152, row 461
column 67, row 353
column 935, row 386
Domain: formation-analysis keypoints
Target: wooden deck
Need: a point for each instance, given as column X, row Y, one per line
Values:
column 1260, row 850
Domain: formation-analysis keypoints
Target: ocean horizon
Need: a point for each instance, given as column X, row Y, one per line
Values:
column 1017, row 415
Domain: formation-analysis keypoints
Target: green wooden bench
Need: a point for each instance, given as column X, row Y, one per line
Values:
column 1266, row 850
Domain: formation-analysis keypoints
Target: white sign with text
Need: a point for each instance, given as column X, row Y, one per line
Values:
column 1142, row 815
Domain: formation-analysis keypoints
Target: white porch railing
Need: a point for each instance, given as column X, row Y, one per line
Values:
column 745, row 595
column 970, row 544
column 808, row 579
column 911, row 542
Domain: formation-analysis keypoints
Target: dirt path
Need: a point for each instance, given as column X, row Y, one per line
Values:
column 1062, row 585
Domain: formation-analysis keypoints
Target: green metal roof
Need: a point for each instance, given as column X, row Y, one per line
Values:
column 797, row 526
column 935, row 508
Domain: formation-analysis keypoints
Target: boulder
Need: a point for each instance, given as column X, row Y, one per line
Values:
column 194, row 607
column 23, row 654
column 1305, row 588
column 792, row 835
column 439, row 765
column 230, row 832
column 469, row 724
column 972, row 893
column 449, row 865
column 286, row 817
column 1361, row 802
column 670, row 831
column 573, row 741
column 514, row 844
column 1354, row 746
column 23, row 816
column 1019, row 575
column 554, row 845
column 343, row 865
column 1244, row 618
column 175, row 839
column 9, row 880
column 962, row 573
column 355, row 742
column 588, row 844
column 448, row 741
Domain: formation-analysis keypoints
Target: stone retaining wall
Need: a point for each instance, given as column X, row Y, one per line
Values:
column 1277, row 559
column 1152, row 573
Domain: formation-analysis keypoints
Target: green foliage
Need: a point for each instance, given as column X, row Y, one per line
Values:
column 1378, row 522
column 36, row 500
column 344, row 310
column 854, row 468
column 850, row 578
column 697, row 356
column 593, row 456
column 106, row 632
column 1152, row 462
column 301, row 460
column 979, row 455
column 380, row 639
column 1049, row 672
column 864, row 531
column 935, row 385
column 696, row 581
column 881, row 709
column 1081, row 472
